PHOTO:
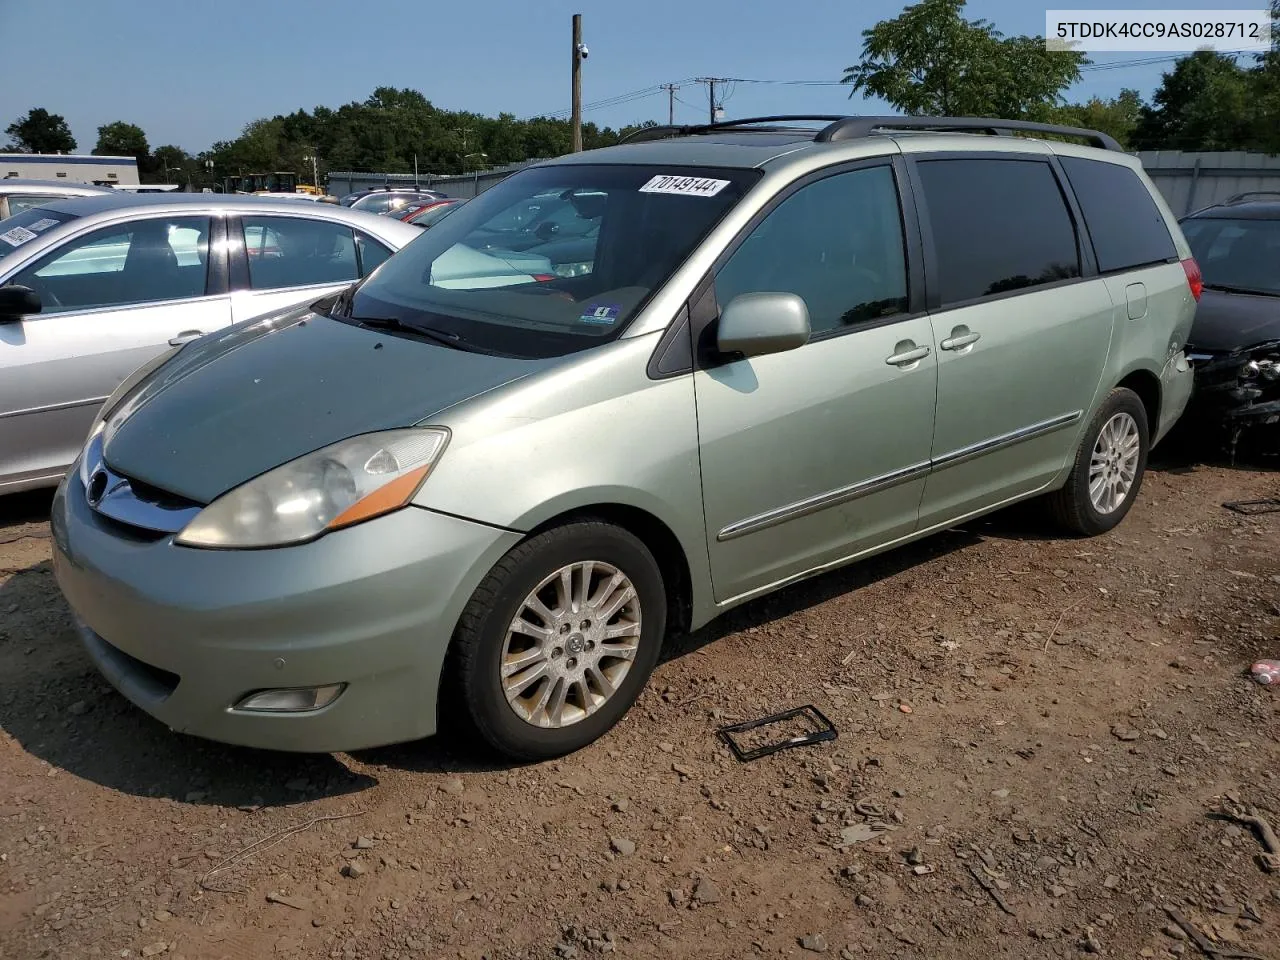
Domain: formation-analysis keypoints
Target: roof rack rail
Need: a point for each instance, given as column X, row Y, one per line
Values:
column 852, row 128
column 665, row 131
column 1249, row 195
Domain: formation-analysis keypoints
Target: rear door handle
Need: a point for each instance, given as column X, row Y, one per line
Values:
column 186, row 336
column 958, row 340
column 907, row 355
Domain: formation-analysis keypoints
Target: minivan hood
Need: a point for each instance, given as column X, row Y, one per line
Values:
column 233, row 406
column 1226, row 322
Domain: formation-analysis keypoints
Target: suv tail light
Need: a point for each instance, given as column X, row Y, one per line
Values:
column 1194, row 280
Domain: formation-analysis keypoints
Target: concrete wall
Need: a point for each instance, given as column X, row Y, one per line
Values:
column 69, row 167
column 1190, row 181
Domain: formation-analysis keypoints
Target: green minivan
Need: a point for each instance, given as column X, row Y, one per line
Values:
column 749, row 352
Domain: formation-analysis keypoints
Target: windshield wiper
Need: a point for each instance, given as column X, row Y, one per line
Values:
column 1228, row 288
column 395, row 323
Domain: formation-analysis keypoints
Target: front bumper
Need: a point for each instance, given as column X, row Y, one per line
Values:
column 1229, row 399
column 185, row 633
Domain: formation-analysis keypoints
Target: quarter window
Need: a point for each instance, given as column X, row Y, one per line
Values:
column 998, row 225
column 372, row 253
column 837, row 243
column 141, row 262
column 1125, row 225
column 297, row 252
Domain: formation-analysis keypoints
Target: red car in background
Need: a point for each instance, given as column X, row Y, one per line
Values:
column 427, row 213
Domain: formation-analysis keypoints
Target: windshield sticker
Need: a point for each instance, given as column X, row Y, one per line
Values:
column 44, row 224
column 605, row 314
column 17, row 236
column 684, row 186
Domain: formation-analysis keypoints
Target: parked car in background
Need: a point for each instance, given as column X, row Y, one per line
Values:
column 1235, row 342
column 429, row 214
column 92, row 288
column 17, row 195
column 431, row 494
column 386, row 199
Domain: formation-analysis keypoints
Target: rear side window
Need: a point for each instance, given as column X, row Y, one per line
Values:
column 1124, row 223
column 998, row 225
column 296, row 252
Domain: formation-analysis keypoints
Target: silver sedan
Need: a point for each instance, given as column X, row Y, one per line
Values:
column 92, row 288
column 19, row 193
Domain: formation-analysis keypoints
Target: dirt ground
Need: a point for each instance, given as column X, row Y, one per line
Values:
column 1033, row 732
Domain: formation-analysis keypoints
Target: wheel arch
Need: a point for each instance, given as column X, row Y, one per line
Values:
column 1146, row 385
column 658, row 538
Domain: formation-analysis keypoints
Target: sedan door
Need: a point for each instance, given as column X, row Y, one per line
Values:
column 113, row 298
column 812, row 456
column 280, row 261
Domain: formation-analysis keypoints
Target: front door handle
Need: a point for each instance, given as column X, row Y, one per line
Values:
column 960, row 338
column 907, row 354
column 186, row 336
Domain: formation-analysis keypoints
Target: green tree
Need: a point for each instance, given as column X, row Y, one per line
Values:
column 1204, row 103
column 1118, row 116
column 41, row 132
column 171, row 164
column 120, row 139
column 931, row 61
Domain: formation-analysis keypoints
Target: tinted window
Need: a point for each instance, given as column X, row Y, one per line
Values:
column 383, row 202
column 372, row 253
column 1124, row 223
column 293, row 252
column 145, row 261
column 1236, row 255
column 998, row 225
column 837, row 243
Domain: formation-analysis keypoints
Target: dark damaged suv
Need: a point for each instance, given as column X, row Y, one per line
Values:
column 1235, row 342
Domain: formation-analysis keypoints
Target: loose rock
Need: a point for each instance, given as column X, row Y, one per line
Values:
column 622, row 846
column 815, row 942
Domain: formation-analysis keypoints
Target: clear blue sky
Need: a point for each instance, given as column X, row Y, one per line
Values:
column 191, row 73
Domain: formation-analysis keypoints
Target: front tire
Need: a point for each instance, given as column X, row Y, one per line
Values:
column 1108, row 469
column 559, row 639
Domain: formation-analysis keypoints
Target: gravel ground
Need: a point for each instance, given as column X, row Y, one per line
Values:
column 1033, row 732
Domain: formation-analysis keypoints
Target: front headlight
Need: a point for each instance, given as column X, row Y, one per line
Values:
column 341, row 484
column 89, row 463
column 574, row 269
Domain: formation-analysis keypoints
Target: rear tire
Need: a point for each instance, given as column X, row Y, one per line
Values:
column 1108, row 469
column 542, row 661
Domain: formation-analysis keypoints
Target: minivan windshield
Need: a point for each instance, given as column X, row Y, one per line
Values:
column 551, row 260
column 1238, row 255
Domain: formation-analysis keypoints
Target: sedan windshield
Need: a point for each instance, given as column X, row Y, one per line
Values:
column 553, row 259
column 1238, row 255
column 27, row 225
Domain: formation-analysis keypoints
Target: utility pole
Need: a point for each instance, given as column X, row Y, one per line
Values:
column 711, row 95
column 671, row 89
column 579, row 53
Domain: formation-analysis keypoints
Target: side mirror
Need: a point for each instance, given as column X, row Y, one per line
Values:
column 17, row 302
column 758, row 323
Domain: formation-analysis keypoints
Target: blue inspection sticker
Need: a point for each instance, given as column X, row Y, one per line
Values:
column 605, row 314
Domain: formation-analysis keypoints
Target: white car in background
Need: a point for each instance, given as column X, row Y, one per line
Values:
column 95, row 287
